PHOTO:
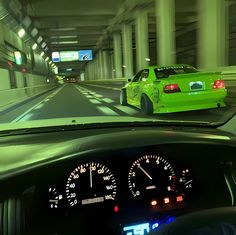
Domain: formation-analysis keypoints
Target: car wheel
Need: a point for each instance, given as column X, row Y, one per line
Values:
column 123, row 97
column 146, row 105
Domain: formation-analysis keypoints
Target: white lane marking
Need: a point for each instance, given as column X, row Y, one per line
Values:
column 125, row 109
column 39, row 106
column 27, row 117
column 98, row 96
column 94, row 101
column 106, row 87
column 89, row 96
column 108, row 100
column 107, row 111
column 29, row 110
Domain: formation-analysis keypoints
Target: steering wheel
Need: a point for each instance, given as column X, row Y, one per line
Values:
column 211, row 220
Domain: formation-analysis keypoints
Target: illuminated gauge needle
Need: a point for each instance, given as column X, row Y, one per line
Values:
column 188, row 182
column 144, row 172
column 91, row 177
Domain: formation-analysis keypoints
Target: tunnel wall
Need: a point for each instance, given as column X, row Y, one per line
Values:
column 20, row 82
column 36, row 85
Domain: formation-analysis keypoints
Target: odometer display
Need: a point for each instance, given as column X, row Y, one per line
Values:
column 151, row 176
column 90, row 183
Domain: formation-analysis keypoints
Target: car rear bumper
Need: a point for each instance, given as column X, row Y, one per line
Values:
column 177, row 102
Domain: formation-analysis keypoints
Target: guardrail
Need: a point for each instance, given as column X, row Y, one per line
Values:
column 14, row 96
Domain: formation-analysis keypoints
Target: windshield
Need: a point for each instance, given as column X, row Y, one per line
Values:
column 112, row 61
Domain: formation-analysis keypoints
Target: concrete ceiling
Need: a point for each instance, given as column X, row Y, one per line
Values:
column 80, row 24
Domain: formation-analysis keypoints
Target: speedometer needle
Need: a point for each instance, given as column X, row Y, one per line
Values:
column 144, row 172
column 91, row 177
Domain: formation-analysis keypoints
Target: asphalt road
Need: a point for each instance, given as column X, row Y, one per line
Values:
column 72, row 100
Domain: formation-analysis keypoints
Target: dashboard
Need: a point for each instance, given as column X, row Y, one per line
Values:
column 114, row 185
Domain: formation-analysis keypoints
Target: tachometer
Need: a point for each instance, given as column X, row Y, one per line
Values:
column 151, row 176
column 90, row 183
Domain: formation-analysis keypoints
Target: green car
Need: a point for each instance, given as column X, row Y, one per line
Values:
column 176, row 88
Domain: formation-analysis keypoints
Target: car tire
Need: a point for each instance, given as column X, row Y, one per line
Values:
column 146, row 105
column 123, row 97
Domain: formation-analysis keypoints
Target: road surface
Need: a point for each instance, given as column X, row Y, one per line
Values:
column 77, row 100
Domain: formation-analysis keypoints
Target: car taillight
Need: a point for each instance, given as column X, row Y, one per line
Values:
column 171, row 88
column 218, row 84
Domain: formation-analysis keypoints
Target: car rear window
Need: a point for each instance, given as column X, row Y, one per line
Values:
column 165, row 72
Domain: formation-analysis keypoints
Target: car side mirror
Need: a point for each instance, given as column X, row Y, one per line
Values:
column 129, row 80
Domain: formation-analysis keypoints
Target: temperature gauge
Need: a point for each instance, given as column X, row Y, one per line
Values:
column 185, row 181
column 54, row 198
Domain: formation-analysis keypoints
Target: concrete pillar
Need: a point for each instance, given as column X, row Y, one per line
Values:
column 86, row 72
column 165, row 22
column 127, row 50
column 90, row 71
column 106, row 64
column 142, row 44
column 93, row 69
column 96, row 68
column 212, row 34
column 100, row 65
column 117, row 55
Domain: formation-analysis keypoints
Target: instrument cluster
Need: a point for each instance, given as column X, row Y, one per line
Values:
column 151, row 178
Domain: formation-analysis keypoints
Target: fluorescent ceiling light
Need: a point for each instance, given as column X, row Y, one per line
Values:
column 68, row 69
column 65, row 42
column 40, row 39
column 147, row 59
column 34, row 46
column 47, row 59
column 43, row 45
column 50, row 62
column 27, row 21
column 21, row 33
column 34, row 32
column 63, row 29
column 67, row 36
column 42, row 54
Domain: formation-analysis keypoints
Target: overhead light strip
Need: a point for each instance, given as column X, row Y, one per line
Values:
column 65, row 42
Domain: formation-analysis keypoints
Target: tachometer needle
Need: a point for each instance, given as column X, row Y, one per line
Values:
column 91, row 177
column 144, row 172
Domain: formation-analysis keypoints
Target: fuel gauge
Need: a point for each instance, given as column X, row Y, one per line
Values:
column 185, row 182
column 186, row 179
column 54, row 198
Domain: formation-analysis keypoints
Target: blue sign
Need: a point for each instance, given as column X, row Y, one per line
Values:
column 56, row 57
column 85, row 55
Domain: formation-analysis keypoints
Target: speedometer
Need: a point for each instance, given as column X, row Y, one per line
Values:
column 151, row 176
column 90, row 183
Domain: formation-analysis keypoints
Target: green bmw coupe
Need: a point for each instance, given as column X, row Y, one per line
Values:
column 176, row 88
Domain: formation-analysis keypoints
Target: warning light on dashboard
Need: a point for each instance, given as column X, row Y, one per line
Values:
column 166, row 200
column 153, row 202
column 116, row 209
column 179, row 199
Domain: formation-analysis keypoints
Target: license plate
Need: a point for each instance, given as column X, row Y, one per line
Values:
column 195, row 86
